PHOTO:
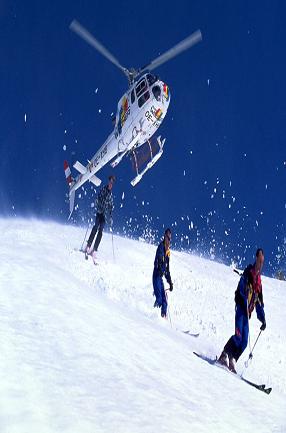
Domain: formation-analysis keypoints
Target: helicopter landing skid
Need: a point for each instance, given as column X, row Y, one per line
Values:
column 150, row 163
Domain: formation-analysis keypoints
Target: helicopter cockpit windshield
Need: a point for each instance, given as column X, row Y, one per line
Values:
column 151, row 79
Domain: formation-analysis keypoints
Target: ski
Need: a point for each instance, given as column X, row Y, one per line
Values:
column 213, row 361
column 86, row 255
column 188, row 332
column 260, row 387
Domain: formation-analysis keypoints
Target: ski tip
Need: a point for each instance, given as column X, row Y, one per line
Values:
column 188, row 332
column 267, row 390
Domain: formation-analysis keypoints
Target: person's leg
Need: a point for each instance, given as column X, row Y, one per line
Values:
column 93, row 231
column 164, row 301
column 244, row 337
column 100, row 230
column 157, row 291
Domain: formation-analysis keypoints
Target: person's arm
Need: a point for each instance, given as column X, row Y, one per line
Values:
column 167, row 273
column 259, row 307
column 159, row 259
column 110, row 207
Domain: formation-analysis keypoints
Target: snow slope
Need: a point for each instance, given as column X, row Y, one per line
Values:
column 83, row 350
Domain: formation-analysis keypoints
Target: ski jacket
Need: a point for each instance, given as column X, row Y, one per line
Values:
column 162, row 263
column 104, row 203
column 249, row 293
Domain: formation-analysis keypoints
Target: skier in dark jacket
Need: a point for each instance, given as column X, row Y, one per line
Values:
column 247, row 296
column 161, row 268
column 104, row 208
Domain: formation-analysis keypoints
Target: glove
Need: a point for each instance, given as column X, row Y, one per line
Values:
column 263, row 326
column 171, row 287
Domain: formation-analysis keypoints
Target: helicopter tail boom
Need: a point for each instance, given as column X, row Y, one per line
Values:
column 74, row 184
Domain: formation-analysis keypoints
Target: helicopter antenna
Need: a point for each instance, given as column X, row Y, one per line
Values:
column 185, row 44
column 76, row 27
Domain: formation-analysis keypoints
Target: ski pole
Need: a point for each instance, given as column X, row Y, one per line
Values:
column 251, row 353
column 84, row 238
column 112, row 244
column 237, row 272
column 168, row 308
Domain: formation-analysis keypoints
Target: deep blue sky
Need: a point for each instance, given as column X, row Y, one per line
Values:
column 223, row 171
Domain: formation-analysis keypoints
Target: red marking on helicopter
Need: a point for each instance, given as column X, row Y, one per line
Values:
column 158, row 114
column 124, row 112
column 166, row 92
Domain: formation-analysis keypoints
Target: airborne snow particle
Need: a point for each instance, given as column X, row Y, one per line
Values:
column 99, row 110
column 65, row 131
column 96, row 90
column 208, row 81
column 25, row 118
column 64, row 147
column 122, row 196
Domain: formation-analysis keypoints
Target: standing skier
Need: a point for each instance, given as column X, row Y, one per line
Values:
column 161, row 268
column 104, row 208
column 247, row 296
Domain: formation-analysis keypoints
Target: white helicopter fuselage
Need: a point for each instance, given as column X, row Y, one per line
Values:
column 140, row 112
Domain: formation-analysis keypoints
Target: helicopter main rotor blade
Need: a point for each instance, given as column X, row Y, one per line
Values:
column 90, row 39
column 191, row 40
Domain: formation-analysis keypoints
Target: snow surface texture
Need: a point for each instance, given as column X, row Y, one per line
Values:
column 83, row 349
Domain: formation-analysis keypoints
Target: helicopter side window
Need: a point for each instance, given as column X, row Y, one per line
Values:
column 141, row 87
column 132, row 96
column 143, row 99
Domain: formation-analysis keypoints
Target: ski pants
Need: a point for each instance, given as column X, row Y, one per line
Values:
column 159, row 292
column 238, row 342
column 98, row 226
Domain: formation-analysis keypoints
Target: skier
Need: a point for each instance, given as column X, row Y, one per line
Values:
column 104, row 208
column 247, row 296
column 161, row 268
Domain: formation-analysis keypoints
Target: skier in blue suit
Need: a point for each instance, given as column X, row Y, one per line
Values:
column 161, row 268
column 248, row 296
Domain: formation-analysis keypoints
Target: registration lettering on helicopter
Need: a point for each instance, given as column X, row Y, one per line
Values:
column 96, row 160
column 154, row 115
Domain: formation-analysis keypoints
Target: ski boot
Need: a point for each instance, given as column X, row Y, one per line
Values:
column 223, row 359
column 231, row 365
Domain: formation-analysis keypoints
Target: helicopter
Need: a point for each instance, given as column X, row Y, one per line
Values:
column 140, row 112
